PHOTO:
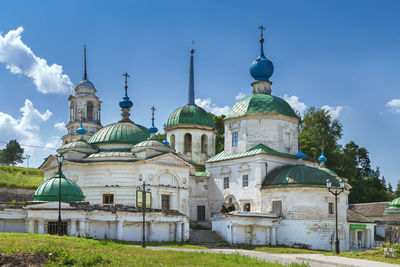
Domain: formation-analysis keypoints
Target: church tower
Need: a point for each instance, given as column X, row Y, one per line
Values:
column 190, row 129
column 262, row 118
column 85, row 106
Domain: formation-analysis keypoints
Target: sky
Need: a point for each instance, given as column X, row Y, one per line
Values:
column 343, row 56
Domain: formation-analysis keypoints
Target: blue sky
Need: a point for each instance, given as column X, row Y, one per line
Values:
column 343, row 55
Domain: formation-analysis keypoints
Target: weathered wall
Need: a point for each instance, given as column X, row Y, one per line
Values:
column 16, row 194
column 276, row 131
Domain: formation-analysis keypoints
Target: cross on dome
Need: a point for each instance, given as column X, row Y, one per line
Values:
column 262, row 29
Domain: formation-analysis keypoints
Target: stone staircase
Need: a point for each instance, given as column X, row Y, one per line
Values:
column 206, row 238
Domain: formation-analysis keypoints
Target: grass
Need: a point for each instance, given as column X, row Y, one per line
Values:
column 73, row 251
column 374, row 255
column 19, row 177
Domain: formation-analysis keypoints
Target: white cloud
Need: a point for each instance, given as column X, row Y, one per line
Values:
column 20, row 59
column 53, row 142
column 394, row 104
column 211, row 107
column 333, row 111
column 60, row 126
column 240, row 96
column 295, row 104
column 26, row 128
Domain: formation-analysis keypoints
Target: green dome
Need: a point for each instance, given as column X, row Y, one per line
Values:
column 299, row 174
column 79, row 145
column 123, row 132
column 150, row 143
column 261, row 103
column 190, row 114
column 393, row 208
column 48, row 191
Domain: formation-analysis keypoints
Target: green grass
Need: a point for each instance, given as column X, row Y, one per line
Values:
column 89, row 252
column 19, row 177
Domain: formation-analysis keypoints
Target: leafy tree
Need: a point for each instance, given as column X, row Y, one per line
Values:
column 317, row 130
column 219, row 139
column 12, row 154
column 397, row 192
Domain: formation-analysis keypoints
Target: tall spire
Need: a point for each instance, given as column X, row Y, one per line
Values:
column 262, row 41
column 191, row 78
column 153, row 130
column 84, row 60
column 126, row 103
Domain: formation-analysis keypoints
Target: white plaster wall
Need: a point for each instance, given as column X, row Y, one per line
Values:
column 256, row 167
column 199, row 196
column 270, row 130
column 196, row 155
column 317, row 234
column 122, row 180
column 304, row 202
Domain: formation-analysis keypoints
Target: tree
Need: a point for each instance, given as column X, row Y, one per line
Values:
column 317, row 130
column 12, row 154
column 219, row 139
column 397, row 192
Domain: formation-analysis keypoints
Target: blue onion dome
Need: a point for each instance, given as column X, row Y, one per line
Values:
column 262, row 68
column 165, row 142
column 300, row 154
column 153, row 129
column 81, row 130
column 126, row 102
column 322, row 158
column 85, row 83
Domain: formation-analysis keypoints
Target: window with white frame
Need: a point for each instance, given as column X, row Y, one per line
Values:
column 234, row 138
column 245, row 180
column 226, row 182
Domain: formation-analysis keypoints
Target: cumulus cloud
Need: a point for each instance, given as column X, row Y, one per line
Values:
column 60, row 126
column 240, row 96
column 25, row 128
column 212, row 107
column 295, row 103
column 333, row 111
column 20, row 59
column 53, row 142
column 394, row 105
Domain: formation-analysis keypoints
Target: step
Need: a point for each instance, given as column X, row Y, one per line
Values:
column 204, row 236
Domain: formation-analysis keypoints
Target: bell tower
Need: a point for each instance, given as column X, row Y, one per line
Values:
column 85, row 106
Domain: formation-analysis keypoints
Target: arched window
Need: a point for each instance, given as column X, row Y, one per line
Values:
column 187, row 143
column 89, row 111
column 204, row 144
column 172, row 141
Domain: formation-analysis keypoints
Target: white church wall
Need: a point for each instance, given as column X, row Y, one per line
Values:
column 256, row 167
column 196, row 155
column 316, row 234
column 276, row 131
column 199, row 196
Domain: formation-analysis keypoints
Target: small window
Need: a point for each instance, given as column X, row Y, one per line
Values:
column 277, row 207
column 230, row 200
column 234, row 138
column 226, row 182
column 52, row 228
column 245, row 180
column 246, row 207
column 108, row 199
column 330, row 208
column 165, row 202
column 201, row 213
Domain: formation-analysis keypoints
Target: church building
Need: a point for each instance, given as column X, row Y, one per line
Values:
column 261, row 189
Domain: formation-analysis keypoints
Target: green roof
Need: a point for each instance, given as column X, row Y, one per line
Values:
column 150, row 143
column 393, row 208
column 123, row 132
column 261, row 103
column 190, row 114
column 48, row 191
column 258, row 149
column 78, row 145
column 299, row 174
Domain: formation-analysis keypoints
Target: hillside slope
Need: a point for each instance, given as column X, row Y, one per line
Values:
column 19, row 177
